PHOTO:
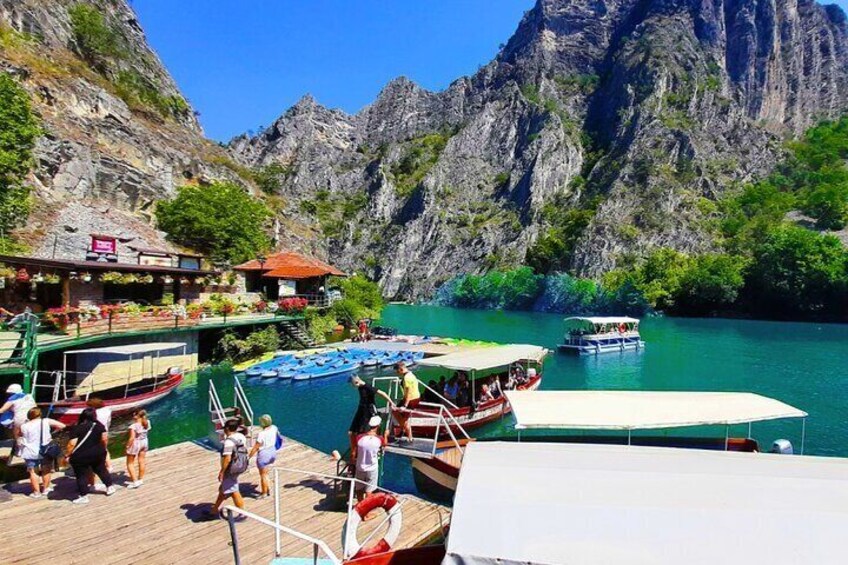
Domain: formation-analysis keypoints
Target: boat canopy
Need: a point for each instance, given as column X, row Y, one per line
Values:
column 600, row 320
column 520, row 503
column 487, row 358
column 641, row 410
column 133, row 349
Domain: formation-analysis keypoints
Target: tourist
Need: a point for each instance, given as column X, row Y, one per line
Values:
column 442, row 384
column 463, row 396
column 430, row 394
column 495, row 387
column 411, row 398
column 104, row 416
column 267, row 443
column 36, row 447
column 485, row 394
column 137, row 446
column 367, row 457
column 451, row 390
column 237, row 415
column 363, row 330
column 86, row 452
column 17, row 405
column 365, row 410
column 234, row 459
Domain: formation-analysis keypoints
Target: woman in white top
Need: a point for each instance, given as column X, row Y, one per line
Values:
column 19, row 403
column 137, row 447
column 34, row 434
column 267, row 443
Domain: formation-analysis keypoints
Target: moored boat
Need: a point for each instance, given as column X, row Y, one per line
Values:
column 65, row 392
column 595, row 335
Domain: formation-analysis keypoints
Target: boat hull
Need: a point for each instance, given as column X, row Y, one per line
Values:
column 68, row 412
column 603, row 347
column 435, row 478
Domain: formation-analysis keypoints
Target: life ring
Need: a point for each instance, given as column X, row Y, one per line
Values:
column 377, row 500
column 622, row 328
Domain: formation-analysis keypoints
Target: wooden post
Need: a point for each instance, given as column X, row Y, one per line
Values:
column 66, row 290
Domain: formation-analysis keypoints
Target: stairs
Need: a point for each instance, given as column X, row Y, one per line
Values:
column 297, row 332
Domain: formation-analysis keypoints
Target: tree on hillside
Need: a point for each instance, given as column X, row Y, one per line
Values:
column 19, row 128
column 221, row 220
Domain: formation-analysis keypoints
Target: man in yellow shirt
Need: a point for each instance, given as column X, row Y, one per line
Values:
column 411, row 397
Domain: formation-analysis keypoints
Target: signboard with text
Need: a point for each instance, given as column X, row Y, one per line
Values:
column 100, row 244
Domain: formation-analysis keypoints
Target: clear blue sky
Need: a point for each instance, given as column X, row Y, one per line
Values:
column 243, row 62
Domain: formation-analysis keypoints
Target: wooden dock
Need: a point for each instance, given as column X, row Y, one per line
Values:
column 161, row 521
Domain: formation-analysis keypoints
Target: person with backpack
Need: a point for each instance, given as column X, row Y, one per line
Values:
column 234, row 462
column 39, row 451
column 86, row 451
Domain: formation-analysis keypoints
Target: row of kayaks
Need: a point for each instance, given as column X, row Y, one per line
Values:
column 296, row 367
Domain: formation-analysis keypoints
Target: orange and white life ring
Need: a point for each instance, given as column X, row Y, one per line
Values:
column 377, row 500
column 622, row 328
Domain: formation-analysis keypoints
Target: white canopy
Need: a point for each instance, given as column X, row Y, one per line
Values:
column 134, row 349
column 603, row 320
column 486, row 358
column 542, row 503
column 641, row 410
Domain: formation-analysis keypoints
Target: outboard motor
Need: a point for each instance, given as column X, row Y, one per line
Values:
column 782, row 447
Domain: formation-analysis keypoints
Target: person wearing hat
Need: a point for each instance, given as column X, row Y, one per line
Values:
column 17, row 405
column 268, row 441
column 365, row 410
column 367, row 456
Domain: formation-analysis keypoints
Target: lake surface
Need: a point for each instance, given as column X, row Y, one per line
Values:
column 803, row 364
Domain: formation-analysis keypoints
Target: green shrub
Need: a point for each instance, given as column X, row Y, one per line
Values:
column 420, row 156
column 19, row 129
column 220, row 219
column 98, row 42
column 270, row 178
column 362, row 299
column 233, row 348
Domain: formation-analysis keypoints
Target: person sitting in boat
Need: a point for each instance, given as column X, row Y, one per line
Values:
column 463, row 398
column 494, row 386
column 429, row 394
column 365, row 410
column 485, row 394
column 451, row 389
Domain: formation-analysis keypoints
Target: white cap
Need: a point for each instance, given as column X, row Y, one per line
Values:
column 14, row 388
column 375, row 422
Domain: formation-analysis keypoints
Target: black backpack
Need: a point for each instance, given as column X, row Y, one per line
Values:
column 239, row 460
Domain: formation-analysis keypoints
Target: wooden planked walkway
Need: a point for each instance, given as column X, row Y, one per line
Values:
column 160, row 522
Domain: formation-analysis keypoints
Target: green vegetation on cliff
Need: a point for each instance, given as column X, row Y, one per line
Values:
column 19, row 128
column 221, row 220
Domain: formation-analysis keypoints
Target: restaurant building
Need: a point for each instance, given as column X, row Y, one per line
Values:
column 287, row 273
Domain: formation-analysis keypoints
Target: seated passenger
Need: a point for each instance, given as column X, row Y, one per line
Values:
column 485, row 394
column 463, row 397
column 451, row 390
column 495, row 387
column 430, row 394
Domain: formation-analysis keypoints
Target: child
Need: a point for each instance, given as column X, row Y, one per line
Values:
column 137, row 447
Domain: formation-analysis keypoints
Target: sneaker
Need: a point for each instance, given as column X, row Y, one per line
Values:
column 80, row 500
column 111, row 490
column 135, row 484
column 35, row 495
column 99, row 487
column 48, row 491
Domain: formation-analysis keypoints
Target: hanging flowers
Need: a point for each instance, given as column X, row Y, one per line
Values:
column 167, row 279
column 85, row 277
column 185, row 280
column 146, row 278
column 22, row 276
column 38, row 277
column 52, row 278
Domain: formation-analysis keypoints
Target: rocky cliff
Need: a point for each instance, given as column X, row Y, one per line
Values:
column 640, row 113
column 119, row 135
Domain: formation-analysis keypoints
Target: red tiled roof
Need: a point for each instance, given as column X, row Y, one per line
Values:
column 292, row 265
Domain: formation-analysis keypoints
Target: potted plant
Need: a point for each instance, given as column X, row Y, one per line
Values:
column 52, row 278
column 85, row 277
column 146, row 278
column 113, row 277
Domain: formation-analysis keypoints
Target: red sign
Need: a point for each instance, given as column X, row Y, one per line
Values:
column 104, row 244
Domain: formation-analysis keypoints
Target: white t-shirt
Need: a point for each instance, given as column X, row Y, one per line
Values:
column 231, row 442
column 368, row 452
column 20, row 407
column 267, row 438
column 104, row 416
column 31, row 434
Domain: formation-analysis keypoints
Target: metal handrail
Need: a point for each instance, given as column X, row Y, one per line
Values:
column 215, row 406
column 240, row 399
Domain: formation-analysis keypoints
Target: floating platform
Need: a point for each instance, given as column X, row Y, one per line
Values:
column 161, row 521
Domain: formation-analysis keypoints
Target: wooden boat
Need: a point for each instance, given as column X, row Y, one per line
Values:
column 437, row 474
column 65, row 393
column 477, row 364
column 595, row 335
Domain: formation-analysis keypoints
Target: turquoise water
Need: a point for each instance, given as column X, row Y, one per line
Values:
column 805, row 365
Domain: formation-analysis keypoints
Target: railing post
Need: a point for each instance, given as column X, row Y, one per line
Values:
column 176, row 320
column 232, row 523
column 110, row 321
column 78, row 327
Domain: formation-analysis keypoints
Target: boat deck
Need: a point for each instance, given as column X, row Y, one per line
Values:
column 160, row 522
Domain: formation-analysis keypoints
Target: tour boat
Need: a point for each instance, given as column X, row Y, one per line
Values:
column 64, row 394
column 436, row 473
column 476, row 364
column 591, row 336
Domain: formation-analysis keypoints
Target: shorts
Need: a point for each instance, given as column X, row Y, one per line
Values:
column 412, row 404
column 369, row 480
column 265, row 457
column 45, row 465
column 137, row 447
column 229, row 485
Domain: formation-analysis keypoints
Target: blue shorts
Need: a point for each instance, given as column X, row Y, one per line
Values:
column 266, row 457
column 44, row 464
column 230, row 484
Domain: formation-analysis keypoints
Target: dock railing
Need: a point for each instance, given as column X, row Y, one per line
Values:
column 318, row 546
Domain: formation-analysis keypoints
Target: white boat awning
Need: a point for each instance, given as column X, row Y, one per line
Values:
column 604, row 319
column 641, row 410
column 486, row 358
column 134, row 349
column 542, row 503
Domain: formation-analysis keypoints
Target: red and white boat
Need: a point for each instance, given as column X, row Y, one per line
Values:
column 124, row 377
column 478, row 365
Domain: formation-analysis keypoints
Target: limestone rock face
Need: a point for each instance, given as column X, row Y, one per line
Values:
column 653, row 109
column 99, row 152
